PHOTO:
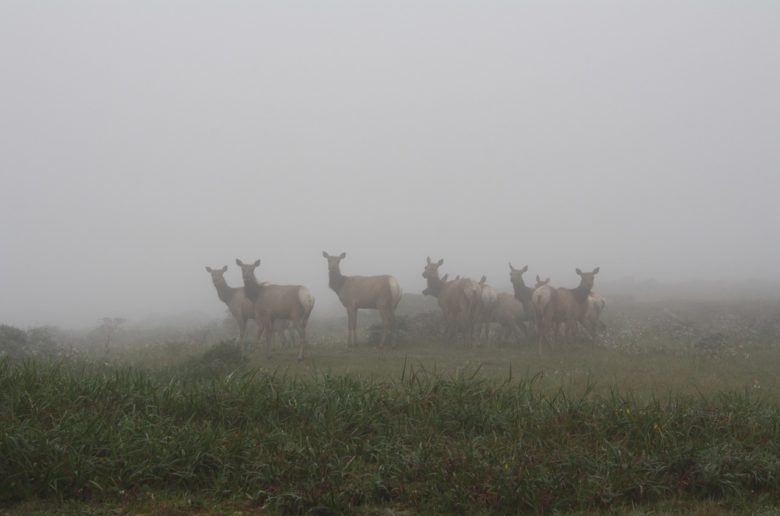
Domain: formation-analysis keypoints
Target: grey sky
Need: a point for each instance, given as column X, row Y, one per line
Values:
column 141, row 141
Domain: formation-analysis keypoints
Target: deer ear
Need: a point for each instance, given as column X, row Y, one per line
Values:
column 429, row 260
column 483, row 279
column 596, row 270
column 257, row 263
column 224, row 269
column 538, row 278
column 208, row 269
column 579, row 272
column 342, row 256
column 239, row 262
column 324, row 254
column 441, row 262
column 444, row 278
column 524, row 269
column 510, row 266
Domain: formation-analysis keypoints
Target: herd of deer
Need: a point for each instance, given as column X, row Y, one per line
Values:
column 466, row 305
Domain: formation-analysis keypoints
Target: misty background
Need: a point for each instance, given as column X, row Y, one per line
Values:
column 141, row 141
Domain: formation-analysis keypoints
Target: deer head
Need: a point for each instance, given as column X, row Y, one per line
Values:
column 217, row 275
column 431, row 270
column 334, row 261
column 516, row 275
column 248, row 270
column 540, row 282
column 586, row 278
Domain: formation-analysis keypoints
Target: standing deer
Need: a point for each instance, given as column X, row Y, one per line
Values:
column 381, row 293
column 553, row 306
column 591, row 320
column 523, row 293
column 509, row 313
column 277, row 302
column 240, row 306
column 488, row 301
column 458, row 299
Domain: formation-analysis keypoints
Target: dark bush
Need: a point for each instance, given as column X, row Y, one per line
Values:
column 219, row 360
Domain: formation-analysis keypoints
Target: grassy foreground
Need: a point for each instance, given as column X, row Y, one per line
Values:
column 79, row 435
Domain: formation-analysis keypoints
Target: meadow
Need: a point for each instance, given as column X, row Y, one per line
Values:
column 675, row 409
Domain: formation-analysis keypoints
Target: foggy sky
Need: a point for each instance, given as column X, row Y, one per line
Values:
column 141, row 141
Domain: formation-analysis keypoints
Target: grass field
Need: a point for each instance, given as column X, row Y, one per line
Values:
column 675, row 409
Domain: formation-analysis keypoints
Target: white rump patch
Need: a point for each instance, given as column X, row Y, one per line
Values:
column 395, row 290
column 307, row 300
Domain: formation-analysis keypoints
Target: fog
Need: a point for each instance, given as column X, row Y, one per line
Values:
column 143, row 141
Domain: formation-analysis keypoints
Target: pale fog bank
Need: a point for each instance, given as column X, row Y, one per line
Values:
column 142, row 142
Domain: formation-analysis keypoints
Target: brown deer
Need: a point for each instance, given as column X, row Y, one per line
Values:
column 240, row 306
column 523, row 293
column 458, row 299
column 382, row 293
column 488, row 301
column 591, row 320
column 553, row 306
column 510, row 314
column 444, row 278
column 277, row 302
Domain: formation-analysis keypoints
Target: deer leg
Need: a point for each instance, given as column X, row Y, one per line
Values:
column 260, row 333
column 521, row 329
column 351, row 325
column 241, row 334
column 539, row 333
column 383, row 315
column 388, row 319
column 449, row 323
column 301, row 327
column 269, row 334
column 354, row 329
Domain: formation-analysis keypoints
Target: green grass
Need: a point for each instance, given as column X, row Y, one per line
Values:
column 429, row 430
column 654, row 419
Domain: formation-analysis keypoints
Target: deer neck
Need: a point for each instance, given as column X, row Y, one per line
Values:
column 522, row 292
column 434, row 286
column 224, row 291
column 336, row 280
column 581, row 293
column 251, row 287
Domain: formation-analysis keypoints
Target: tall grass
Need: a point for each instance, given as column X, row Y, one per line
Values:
column 343, row 443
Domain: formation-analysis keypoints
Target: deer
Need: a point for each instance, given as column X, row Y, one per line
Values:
column 382, row 293
column 272, row 303
column 523, row 293
column 510, row 314
column 458, row 299
column 553, row 306
column 591, row 320
column 240, row 306
column 427, row 292
column 488, row 301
